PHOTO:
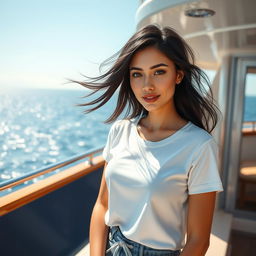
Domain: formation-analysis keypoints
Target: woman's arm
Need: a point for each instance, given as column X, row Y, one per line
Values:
column 98, row 228
column 199, row 222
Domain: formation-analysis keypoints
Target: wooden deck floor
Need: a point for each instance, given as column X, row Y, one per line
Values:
column 243, row 244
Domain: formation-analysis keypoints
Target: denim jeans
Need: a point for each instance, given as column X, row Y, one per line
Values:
column 119, row 245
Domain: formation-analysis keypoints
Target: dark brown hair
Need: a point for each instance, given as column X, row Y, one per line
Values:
column 192, row 101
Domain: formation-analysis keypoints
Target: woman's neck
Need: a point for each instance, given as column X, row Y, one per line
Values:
column 163, row 120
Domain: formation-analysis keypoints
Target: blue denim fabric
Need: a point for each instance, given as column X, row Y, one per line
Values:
column 119, row 245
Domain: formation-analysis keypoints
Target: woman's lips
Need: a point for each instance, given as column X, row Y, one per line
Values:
column 151, row 98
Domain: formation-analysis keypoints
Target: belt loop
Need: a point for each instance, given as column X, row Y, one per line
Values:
column 141, row 251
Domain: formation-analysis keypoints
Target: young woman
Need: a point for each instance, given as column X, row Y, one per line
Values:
column 158, row 187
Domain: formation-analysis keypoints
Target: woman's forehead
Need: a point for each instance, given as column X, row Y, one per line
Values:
column 148, row 57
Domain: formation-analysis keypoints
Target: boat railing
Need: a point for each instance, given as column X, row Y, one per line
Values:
column 24, row 189
column 50, row 168
column 249, row 127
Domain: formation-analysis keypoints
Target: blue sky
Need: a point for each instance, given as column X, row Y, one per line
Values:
column 44, row 42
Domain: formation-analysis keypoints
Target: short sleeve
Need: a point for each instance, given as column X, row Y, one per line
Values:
column 204, row 174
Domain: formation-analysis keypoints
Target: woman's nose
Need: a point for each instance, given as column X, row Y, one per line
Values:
column 148, row 84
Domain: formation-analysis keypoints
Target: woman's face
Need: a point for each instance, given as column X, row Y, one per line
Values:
column 153, row 78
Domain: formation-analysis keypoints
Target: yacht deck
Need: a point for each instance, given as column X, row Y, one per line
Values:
column 242, row 243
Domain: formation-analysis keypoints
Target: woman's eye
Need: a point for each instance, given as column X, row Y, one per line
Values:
column 135, row 74
column 159, row 72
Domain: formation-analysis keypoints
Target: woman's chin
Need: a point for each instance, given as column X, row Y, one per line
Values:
column 151, row 108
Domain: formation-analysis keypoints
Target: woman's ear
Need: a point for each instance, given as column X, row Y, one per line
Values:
column 179, row 77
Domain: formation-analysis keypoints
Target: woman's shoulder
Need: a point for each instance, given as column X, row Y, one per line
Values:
column 198, row 135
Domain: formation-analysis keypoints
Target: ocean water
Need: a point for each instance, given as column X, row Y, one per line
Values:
column 250, row 108
column 41, row 127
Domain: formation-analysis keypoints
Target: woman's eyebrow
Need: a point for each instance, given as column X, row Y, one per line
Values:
column 155, row 66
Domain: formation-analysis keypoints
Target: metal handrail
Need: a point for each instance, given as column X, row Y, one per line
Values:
column 21, row 179
column 252, row 125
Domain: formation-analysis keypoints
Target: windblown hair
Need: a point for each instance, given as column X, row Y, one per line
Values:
column 192, row 100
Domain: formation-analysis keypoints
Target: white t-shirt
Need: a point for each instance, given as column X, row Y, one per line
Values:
column 149, row 182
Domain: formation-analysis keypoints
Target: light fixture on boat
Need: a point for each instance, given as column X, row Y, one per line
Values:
column 199, row 12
